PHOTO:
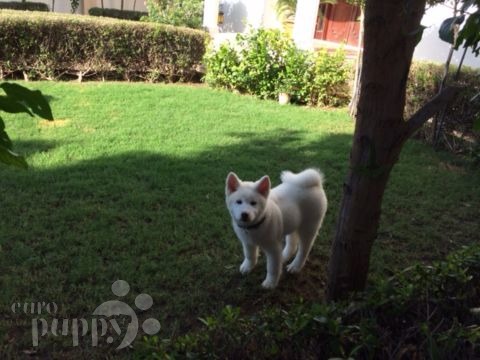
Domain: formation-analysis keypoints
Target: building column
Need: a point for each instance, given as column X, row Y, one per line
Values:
column 305, row 22
column 210, row 15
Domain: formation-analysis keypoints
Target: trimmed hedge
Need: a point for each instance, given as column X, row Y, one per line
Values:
column 117, row 14
column 52, row 46
column 31, row 6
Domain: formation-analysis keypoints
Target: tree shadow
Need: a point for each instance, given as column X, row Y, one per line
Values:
column 30, row 147
column 159, row 222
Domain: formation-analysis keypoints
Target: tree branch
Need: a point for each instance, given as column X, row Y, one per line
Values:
column 431, row 108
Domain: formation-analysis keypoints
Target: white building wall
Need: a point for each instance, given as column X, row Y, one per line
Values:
column 210, row 15
column 432, row 48
column 240, row 14
column 305, row 21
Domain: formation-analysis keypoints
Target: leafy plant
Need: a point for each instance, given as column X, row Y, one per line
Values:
column 469, row 35
column 176, row 12
column 286, row 13
column 423, row 311
column 330, row 76
column 18, row 99
column 266, row 62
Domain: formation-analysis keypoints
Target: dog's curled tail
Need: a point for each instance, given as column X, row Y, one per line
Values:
column 306, row 179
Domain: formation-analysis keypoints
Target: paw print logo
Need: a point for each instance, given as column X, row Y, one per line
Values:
column 112, row 308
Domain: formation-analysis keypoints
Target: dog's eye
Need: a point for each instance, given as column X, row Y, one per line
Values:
column 253, row 203
column 239, row 202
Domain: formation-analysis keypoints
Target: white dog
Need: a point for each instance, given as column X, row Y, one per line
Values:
column 261, row 218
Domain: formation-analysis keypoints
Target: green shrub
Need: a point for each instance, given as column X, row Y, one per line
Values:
column 176, row 12
column 117, row 14
column 222, row 68
column 266, row 62
column 424, row 312
column 31, row 6
column 330, row 79
column 54, row 45
column 460, row 116
column 423, row 82
column 262, row 54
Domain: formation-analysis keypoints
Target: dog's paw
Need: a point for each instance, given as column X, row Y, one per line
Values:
column 294, row 268
column 246, row 267
column 269, row 283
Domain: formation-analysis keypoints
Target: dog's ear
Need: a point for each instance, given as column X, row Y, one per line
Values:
column 233, row 182
column 263, row 186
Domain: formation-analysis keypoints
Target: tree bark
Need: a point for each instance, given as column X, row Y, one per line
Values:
column 391, row 32
column 358, row 69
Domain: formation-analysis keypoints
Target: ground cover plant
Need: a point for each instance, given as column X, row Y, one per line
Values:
column 128, row 183
column 421, row 312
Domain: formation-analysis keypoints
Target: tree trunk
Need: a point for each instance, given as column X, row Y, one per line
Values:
column 358, row 70
column 391, row 32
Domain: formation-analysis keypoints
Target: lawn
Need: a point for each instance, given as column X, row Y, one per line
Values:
column 128, row 183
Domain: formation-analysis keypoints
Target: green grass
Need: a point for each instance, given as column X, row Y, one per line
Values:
column 128, row 183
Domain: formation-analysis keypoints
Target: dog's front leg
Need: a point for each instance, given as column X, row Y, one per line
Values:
column 274, row 266
column 250, row 251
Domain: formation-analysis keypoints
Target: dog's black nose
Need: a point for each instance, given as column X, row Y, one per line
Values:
column 244, row 216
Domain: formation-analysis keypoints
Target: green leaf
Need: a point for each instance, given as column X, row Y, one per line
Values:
column 11, row 158
column 476, row 124
column 4, row 138
column 470, row 34
column 31, row 98
column 10, row 105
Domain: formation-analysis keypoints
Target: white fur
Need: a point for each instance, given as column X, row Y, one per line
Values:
column 263, row 218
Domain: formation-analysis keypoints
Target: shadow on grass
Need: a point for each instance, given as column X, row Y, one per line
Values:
column 160, row 223
column 29, row 147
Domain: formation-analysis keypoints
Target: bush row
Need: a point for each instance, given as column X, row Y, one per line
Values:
column 53, row 45
column 31, row 6
column 423, row 312
column 117, row 14
column 266, row 62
